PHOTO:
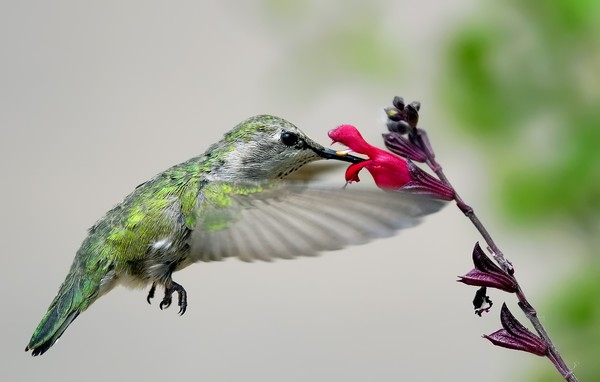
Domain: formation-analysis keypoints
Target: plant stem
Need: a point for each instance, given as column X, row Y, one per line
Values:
column 553, row 354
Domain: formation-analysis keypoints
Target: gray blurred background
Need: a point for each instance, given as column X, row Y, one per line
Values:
column 96, row 97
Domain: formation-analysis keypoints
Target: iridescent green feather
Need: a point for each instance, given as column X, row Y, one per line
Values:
column 122, row 236
column 150, row 213
column 217, row 198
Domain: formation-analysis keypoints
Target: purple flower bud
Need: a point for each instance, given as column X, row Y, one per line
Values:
column 397, row 127
column 422, row 141
column 516, row 336
column 398, row 103
column 402, row 146
column 402, row 118
column 488, row 274
column 423, row 183
column 415, row 105
column 393, row 114
column 412, row 114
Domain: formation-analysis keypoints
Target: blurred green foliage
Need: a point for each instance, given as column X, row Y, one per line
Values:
column 524, row 80
column 574, row 314
column 328, row 49
column 355, row 46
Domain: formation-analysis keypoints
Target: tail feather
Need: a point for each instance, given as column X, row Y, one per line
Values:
column 48, row 332
column 74, row 296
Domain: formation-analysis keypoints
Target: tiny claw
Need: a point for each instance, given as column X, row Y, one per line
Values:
column 182, row 302
column 166, row 302
column 151, row 293
column 181, row 299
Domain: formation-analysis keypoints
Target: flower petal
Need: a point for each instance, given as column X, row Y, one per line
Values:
column 400, row 145
column 353, row 170
column 423, row 183
column 488, row 274
column 516, row 336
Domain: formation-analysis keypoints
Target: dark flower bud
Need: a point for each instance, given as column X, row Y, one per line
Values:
column 516, row 336
column 398, row 103
column 486, row 273
column 412, row 114
column 422, row 140
column 393, row 114
column 416, row 105
column 400, row 127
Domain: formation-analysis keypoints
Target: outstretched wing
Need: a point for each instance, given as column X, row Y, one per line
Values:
column 255, row 221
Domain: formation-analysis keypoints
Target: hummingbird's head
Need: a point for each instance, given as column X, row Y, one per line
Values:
column 265, row 146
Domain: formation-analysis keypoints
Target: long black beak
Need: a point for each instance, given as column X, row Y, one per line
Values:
column 332, row 154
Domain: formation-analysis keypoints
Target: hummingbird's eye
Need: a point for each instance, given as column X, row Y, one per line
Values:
column 289, row 139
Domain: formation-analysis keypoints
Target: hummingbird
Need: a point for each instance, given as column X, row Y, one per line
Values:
column 230, row 201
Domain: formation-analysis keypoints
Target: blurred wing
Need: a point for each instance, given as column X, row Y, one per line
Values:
column 286, row 219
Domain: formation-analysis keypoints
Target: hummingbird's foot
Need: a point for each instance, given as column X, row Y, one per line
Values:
column 151, row 292
column 181, row 301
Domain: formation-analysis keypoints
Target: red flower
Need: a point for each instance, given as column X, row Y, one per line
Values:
column 388, row 170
